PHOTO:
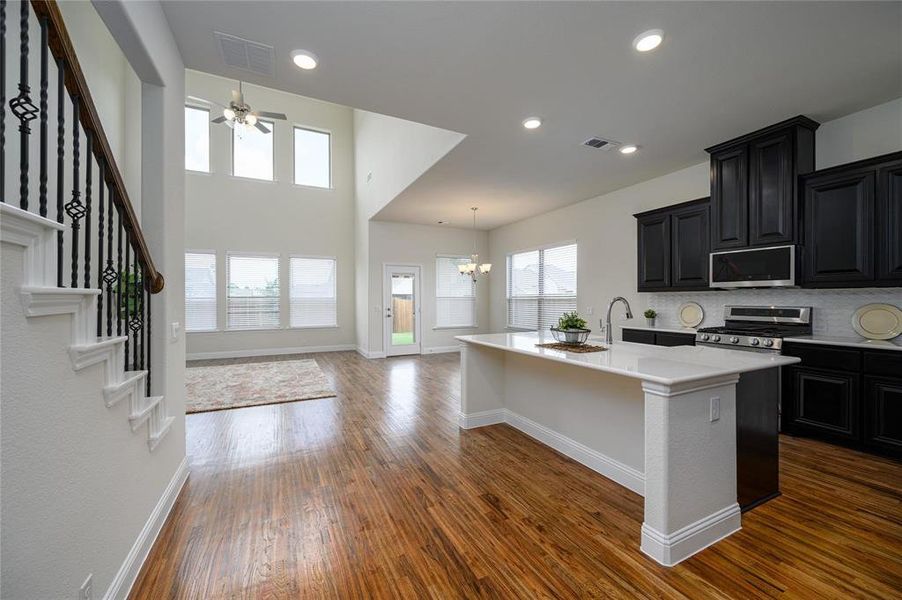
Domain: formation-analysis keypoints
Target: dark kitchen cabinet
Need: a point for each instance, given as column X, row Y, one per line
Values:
column 853, row 224
column 753, row 185
column 673, row 247
column 822, row 401
column 657, row 338
column 883, row 411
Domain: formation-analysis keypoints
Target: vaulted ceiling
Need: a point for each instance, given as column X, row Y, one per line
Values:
column 480, row 68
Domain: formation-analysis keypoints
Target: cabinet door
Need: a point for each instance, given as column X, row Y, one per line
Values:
column 824, row 402
column 883, row 413
column 639, row 336
column 771, row 183
column 654, row 252
column 889, row 224
column 729, row 198
column 689, row 247
column 839, row 217
column 674, row 339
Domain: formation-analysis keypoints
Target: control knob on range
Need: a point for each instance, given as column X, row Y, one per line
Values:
column 754, row 341
column 734, row 340
column 705, row 337
column 716, row 338
column 768, row 343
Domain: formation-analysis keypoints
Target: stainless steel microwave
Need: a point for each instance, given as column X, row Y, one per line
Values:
column 753, row 267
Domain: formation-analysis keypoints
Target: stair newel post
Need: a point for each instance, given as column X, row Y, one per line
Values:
column 109, row 274
column 89, row 189
column 119, row 278
column 101, row 174
column 127, row 282
column 42, row 181
column 60, row 166
column 2, row 100
column 75, row 209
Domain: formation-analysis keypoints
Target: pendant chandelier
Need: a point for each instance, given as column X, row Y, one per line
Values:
column 473, row 269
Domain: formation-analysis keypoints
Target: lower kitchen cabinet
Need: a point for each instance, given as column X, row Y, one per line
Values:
column 824, row 402
column 884, row 409
column 658, row 338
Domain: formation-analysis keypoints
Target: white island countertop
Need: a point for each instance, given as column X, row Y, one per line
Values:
column 659, row 364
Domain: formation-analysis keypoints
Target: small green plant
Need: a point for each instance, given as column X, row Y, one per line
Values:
column 571, row 321
column 128, row 288
column 650, row 314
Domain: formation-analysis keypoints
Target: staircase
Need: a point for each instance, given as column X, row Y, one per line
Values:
column 79, row 210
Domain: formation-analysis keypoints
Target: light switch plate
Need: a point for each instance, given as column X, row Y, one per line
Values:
column 715, row 409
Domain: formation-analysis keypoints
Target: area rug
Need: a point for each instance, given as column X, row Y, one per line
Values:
column 253, row 384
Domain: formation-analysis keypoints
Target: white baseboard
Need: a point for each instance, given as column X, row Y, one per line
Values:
column 627, row 476
column 128, row 572
column 441, row 349
column 368, row 354
column 269, row 352
column 683, row 543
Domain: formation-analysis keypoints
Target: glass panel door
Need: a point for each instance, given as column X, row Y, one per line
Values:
column 402, row 330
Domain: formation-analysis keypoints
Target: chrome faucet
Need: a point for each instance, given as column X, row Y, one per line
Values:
column 608, row 336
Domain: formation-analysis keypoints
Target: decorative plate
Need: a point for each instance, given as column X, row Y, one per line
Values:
column 690, row 314
column 878, row 321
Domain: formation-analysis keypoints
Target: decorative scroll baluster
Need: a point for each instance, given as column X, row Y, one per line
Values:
column 135, row 324
column 23, row 108
column 42, row 181
column 60, row 166
column 74, row 208
column 2, row 100
column 89, row 169
column 100, row 180
column 109, row 273
column 119, row 278
column 127, row 282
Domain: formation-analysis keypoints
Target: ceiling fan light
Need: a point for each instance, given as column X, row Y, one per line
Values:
column 250, row 119
column 228, row 113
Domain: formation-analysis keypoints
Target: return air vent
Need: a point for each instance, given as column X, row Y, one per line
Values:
column 600, row 143
column 245, row 54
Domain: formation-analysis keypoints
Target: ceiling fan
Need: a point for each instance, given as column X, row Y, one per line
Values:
column 239, row 112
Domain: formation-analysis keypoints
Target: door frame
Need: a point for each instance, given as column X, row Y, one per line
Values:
column 416, row 348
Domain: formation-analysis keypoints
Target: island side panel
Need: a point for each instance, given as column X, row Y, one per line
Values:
column 481, row 386
column 690, row 468
column 593, row 417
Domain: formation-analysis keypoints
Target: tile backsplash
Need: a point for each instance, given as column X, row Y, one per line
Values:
column 832, row 314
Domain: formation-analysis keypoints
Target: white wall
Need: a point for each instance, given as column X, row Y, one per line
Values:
column 226, row 213
column 606, row 230
column 404, row 243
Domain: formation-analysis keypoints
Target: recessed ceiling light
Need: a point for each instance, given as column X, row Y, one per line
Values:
column 648, row 40
column 532, row 123
column 304, row 59
column 628, row 149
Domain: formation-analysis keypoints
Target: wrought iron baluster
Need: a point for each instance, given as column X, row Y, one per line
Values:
column 149, row 338
column 100, row 186
column 23, row 108
column 2, row 100
column 135, row 324
column 143, row 314
column 74, row 208
column 89, row 170
column 119, row 279
column 60, row 154
column 126, row 280
column 109, row 273
column 42, row 181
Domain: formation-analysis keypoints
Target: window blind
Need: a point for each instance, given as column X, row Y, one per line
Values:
column 312, row 292
column 455, row 295
column 253, row 292
column 541, row 286
column 200, row 291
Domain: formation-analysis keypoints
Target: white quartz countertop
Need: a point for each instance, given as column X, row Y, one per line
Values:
column 659, row 364
column 674, row 329
column 853, row 342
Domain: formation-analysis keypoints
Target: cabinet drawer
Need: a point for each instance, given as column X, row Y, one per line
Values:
column 639, row 336
column 825, row 357
column 883, row 363
column 674, row 339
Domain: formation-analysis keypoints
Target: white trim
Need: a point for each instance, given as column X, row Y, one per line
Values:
column 627, row 476
column 441, row 349
column 128, row 572
column 695, row 537
column 369, row 355
column 270, row 351
column 38, row 236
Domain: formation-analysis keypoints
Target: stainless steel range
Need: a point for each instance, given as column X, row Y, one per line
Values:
column 757, row 328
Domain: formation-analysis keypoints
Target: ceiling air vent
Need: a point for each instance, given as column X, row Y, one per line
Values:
column 245, row 54
column 600, row 143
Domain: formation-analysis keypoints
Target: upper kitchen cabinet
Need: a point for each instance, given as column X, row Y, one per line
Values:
column 853, row 224
column 753, row 185
column 673, row 247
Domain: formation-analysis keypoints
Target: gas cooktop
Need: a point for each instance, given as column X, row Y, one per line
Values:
column 757, row 327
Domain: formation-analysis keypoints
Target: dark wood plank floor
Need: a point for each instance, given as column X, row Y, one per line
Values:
column 378, row 494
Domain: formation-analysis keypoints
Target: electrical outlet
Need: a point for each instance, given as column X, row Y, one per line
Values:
column 589, row 310
column 86, row 591
column 715, row 409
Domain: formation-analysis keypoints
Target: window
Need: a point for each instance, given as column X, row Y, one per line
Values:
column 252, row 151
column 541, row 285
column 200, row 291
column 197, row 139
column 312, row 158
column 312, row 292
column 253, row 295
column 455, row 295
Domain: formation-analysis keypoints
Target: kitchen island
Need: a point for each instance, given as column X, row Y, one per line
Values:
column 660, row 421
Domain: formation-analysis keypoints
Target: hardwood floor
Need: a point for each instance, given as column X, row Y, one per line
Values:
column 378, row 494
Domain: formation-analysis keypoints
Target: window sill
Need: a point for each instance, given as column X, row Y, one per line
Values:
column 520, row 329
column 314, row 187
column 313, row 327
column 193, row 331
column 253, row 179
column 193, row 172
column 234, row 330
column 446, row 327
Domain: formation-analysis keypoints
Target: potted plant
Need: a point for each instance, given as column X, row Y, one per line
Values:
column 650, row 315
column 128, row 289
column 571, row 329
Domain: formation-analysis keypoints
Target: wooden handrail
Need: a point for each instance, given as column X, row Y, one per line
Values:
column 61, row 47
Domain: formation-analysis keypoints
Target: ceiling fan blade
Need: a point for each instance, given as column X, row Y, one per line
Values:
column 262, row 127
column 231, row 124
column 205, row 101
column 271, row 115
column 219, row 120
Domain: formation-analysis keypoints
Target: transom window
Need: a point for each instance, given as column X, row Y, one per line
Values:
column 312, row 158
column 252, row 151
column 312, row 292
column 253, row 291
column 541, row 286
column 455, row 294
column 197, row 139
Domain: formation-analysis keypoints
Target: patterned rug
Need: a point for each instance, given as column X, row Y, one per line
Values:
column 253, row 384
